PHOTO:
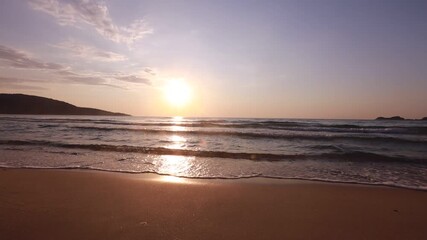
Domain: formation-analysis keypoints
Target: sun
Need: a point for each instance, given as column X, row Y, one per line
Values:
column 177, row 93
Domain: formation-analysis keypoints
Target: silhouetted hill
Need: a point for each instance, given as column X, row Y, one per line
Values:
column 27, row 104
column 390, row 118
column 424, row 119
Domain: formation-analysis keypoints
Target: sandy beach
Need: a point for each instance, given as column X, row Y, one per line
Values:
column 68, row 204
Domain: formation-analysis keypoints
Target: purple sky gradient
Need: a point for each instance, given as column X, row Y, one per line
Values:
column 291, row 59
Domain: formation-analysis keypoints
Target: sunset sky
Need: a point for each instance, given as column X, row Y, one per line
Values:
column 290, row 59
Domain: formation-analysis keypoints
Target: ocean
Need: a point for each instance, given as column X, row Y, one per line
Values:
column 391, row 153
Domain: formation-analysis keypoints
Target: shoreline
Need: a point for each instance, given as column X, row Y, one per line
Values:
column 252, row 179
column 70, row 204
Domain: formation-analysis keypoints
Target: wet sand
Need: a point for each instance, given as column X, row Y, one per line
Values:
column 68, row 204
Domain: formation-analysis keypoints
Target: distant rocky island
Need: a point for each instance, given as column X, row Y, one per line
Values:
column 28, row 104
column 390, row 118
column 398, row 118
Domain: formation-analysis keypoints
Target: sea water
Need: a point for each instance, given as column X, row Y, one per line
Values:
column 390, row 153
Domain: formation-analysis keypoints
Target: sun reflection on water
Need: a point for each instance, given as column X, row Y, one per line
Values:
column 173, row 179
column 177, row 121
column 177, row 142
column 176, row 128
column 175, row 165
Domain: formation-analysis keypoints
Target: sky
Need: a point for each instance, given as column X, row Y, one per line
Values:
column 237, row 58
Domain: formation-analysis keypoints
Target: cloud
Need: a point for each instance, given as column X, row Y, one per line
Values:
column 20, row 86
column 150, row 71
column 86, row 78
column 95, row 14
column 90, row 53
column 91, row 79
column 20, row 83
column 99, row 78
column 15, row 58
column 19, row 80
column 134, row 79
column 11, row 57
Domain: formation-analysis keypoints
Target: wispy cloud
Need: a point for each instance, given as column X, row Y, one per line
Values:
column 150, row 71
column 95, row 14
column 20, row 83
column 134, row 79
column 20, row 86
column 89, row 52
column 18, row 59
column 11, row 57
column 96, row 78
column 15, row 80
column 91, row 78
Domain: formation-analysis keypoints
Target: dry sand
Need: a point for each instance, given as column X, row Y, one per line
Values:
column 67, row 204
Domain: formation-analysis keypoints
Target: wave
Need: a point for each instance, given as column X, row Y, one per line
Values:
column 288, row 125
column 356, row 156
column 260, row 135
column 249, row 176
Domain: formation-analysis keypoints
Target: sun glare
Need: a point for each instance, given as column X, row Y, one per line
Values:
column 177, row 93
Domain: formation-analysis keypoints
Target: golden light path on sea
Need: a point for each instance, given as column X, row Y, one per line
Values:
column 175, row 165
